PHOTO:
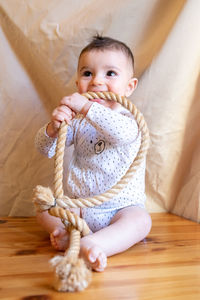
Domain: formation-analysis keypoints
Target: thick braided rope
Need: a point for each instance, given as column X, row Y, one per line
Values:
column 64, row 201
column 69, row 217
column 74, row 248
column 58, row 163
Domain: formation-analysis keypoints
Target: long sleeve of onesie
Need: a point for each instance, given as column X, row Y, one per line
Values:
column 44, row 143
column 47, row 145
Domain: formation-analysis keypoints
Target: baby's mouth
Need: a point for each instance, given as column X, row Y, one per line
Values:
column 97, row 90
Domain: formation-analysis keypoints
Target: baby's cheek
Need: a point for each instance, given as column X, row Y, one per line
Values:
column 82, row 87
column 118, row 90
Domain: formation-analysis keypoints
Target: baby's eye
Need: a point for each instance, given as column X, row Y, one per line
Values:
column 87, row 73
column 111, row 73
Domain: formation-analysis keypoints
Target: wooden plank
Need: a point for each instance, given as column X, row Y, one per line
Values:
column 166, row 265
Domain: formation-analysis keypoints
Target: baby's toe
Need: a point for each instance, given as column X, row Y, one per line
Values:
column 53, row 241
column 101, row 262
column 93, row 254
column 97, row 259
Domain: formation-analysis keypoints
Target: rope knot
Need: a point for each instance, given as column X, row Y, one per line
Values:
column 43, row 198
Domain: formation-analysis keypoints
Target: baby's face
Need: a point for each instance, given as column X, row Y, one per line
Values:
column 105, row 71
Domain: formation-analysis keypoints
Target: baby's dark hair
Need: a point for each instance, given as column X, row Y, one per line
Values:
column 103, row 43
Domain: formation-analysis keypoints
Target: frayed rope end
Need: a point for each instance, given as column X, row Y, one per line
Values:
column 70, row 275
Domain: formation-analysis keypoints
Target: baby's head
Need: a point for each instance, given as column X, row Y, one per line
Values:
column 106, row 65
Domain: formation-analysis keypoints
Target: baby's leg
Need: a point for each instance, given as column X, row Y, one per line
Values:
column 129, row 226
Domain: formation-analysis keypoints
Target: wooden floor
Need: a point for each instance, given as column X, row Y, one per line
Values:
column 164, row 266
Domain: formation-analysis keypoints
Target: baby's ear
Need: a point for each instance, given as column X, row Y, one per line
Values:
column 132, row 84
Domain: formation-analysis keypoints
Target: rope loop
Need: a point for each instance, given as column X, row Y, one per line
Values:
column 65, row 201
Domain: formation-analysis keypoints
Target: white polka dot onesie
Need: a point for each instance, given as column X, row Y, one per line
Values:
column 105, row 144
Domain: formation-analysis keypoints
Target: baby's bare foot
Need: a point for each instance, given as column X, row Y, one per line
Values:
column 93, row 255
column 59, row 239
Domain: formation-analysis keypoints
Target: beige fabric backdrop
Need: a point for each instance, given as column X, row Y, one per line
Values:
column 39, row 45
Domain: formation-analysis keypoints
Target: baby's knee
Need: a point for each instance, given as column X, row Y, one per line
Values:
column 147, row 221
column 142, row 218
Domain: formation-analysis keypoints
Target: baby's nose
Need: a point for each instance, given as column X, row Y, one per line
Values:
column 97, row 80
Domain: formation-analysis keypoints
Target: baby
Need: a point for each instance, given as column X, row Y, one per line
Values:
column 106, row 140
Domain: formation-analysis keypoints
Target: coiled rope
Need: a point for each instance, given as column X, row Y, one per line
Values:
column 71, row 273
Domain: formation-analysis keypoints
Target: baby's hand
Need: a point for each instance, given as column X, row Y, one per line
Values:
column 66, row 111
column 60, row 114
column 75, row 102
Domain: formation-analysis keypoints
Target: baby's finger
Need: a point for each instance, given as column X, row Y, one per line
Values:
column 61, row 113
column 63, row 109
column 64, row 117
column 67, row 111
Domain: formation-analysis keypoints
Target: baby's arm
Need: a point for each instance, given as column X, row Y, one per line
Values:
column 117, row 127
column 46, row 137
